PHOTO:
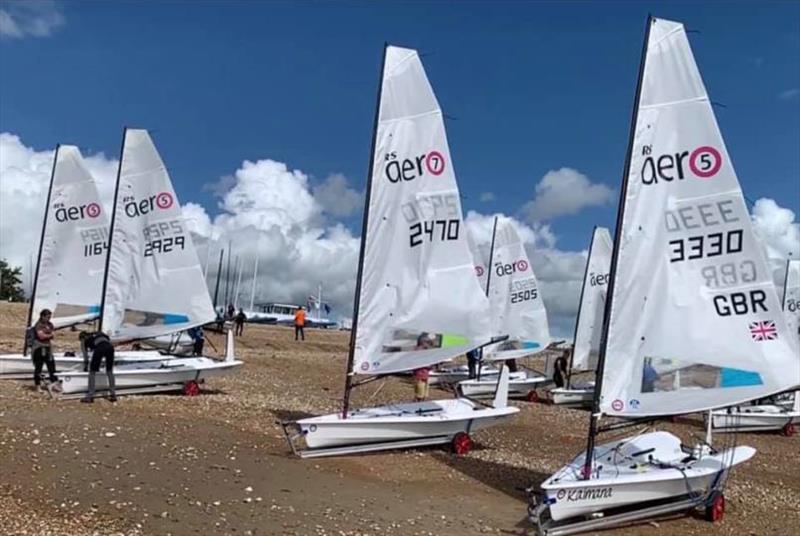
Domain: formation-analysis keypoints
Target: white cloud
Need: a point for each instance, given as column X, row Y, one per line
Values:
column 487, row 196
column 29, row 18
column 779, row 234
column 336, row 198
column 789, row 94
column 563, row 192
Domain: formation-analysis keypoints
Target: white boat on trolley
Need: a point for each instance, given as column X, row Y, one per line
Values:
column 589, row 323
column 668, row 345
column 517, row 311
column 418, row 302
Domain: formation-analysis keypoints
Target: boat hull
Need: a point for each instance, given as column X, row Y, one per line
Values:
column 143, row 375
column 519, row 385
column 761, row 418
column 18, row 364
column 453, row 375
column 624, row 477
column 384, row 424
column 572, row 397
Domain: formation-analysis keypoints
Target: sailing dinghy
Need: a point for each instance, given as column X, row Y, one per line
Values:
column 688, row 282
column 153, row 284
column 417, row 302
column 589, row 324
column 517, row 310
column 776, row 416
column 71, row 260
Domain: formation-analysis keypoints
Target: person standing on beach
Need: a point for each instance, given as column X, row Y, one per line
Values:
column 42, row 335
column 102, row 349
column 299, row 323
column 239, row 323
column 422, row 374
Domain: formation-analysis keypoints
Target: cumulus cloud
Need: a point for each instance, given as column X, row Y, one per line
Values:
column 790, row 94
column 779, row 234
column 487, row 196
column 563, row 192
column 29, row 18
column 337, row 198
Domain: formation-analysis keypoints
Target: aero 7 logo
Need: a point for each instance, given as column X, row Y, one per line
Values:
column 703, row 162
column 408, row 169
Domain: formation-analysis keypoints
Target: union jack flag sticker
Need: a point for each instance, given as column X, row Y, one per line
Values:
column 763, row 331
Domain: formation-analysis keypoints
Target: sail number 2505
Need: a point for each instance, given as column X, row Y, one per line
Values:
column 432, row 230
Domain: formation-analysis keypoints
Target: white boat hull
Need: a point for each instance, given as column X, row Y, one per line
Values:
column 520, row 384
column 624, row 476
column 572, row 397
column 18, row 364
column 761, row 418
column 397, row 422
column 142, row 375
column 453, row 375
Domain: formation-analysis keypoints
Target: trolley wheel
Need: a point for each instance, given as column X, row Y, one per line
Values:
column 532, row 396
column 461, row 444
column 788, row 429
column 191, row 388
column 715, row 507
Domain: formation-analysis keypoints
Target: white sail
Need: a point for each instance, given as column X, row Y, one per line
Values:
column 589, row 325
column 480, row 259
column 791, row 297
column 420, row 302
column 73, row 251
column 691, row 288
column 517, row 308
column 155, row 282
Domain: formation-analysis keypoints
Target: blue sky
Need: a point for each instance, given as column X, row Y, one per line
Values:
column 531, row 87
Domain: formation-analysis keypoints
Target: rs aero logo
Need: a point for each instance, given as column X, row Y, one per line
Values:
column 135, row 208
column 79, row 212
column 703, row 162
column 507, row 269
column 408, row 169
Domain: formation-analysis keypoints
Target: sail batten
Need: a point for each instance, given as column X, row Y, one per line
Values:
column 695, row 320
column 419, row 302
column 155, row 283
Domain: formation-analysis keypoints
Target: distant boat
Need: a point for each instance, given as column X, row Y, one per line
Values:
column 283, row 314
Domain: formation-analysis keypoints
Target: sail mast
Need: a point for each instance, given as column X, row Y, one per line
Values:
column 219, row 273
column 111, row 231
column 580, row 305
column 786, row 283
column 491, row 257
column 593, row 420
column 253, row 289
column 365, row 221
column 41, row 244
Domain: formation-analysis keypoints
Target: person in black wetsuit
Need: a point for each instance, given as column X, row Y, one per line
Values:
column 560, row 374
column 102, row 349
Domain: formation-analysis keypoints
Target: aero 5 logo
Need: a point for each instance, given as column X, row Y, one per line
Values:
column 75, row 213
column 507, row 269
column 703, row 162
column 135, row 208
column 409, row 169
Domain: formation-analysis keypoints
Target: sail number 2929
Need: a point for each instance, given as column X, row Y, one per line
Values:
column 432, row 230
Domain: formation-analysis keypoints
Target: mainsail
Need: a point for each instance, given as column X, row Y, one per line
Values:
column 517, row 308
column 74, row 242
column 589, row 324
column 690, row 291
column 420, row 302
column 791, row 297
column 154, row 281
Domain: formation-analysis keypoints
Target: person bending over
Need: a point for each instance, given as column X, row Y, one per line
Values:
column 42, row 335
column 100, row 345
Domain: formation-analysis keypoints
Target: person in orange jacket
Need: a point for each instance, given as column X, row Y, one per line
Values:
column 299, row 323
